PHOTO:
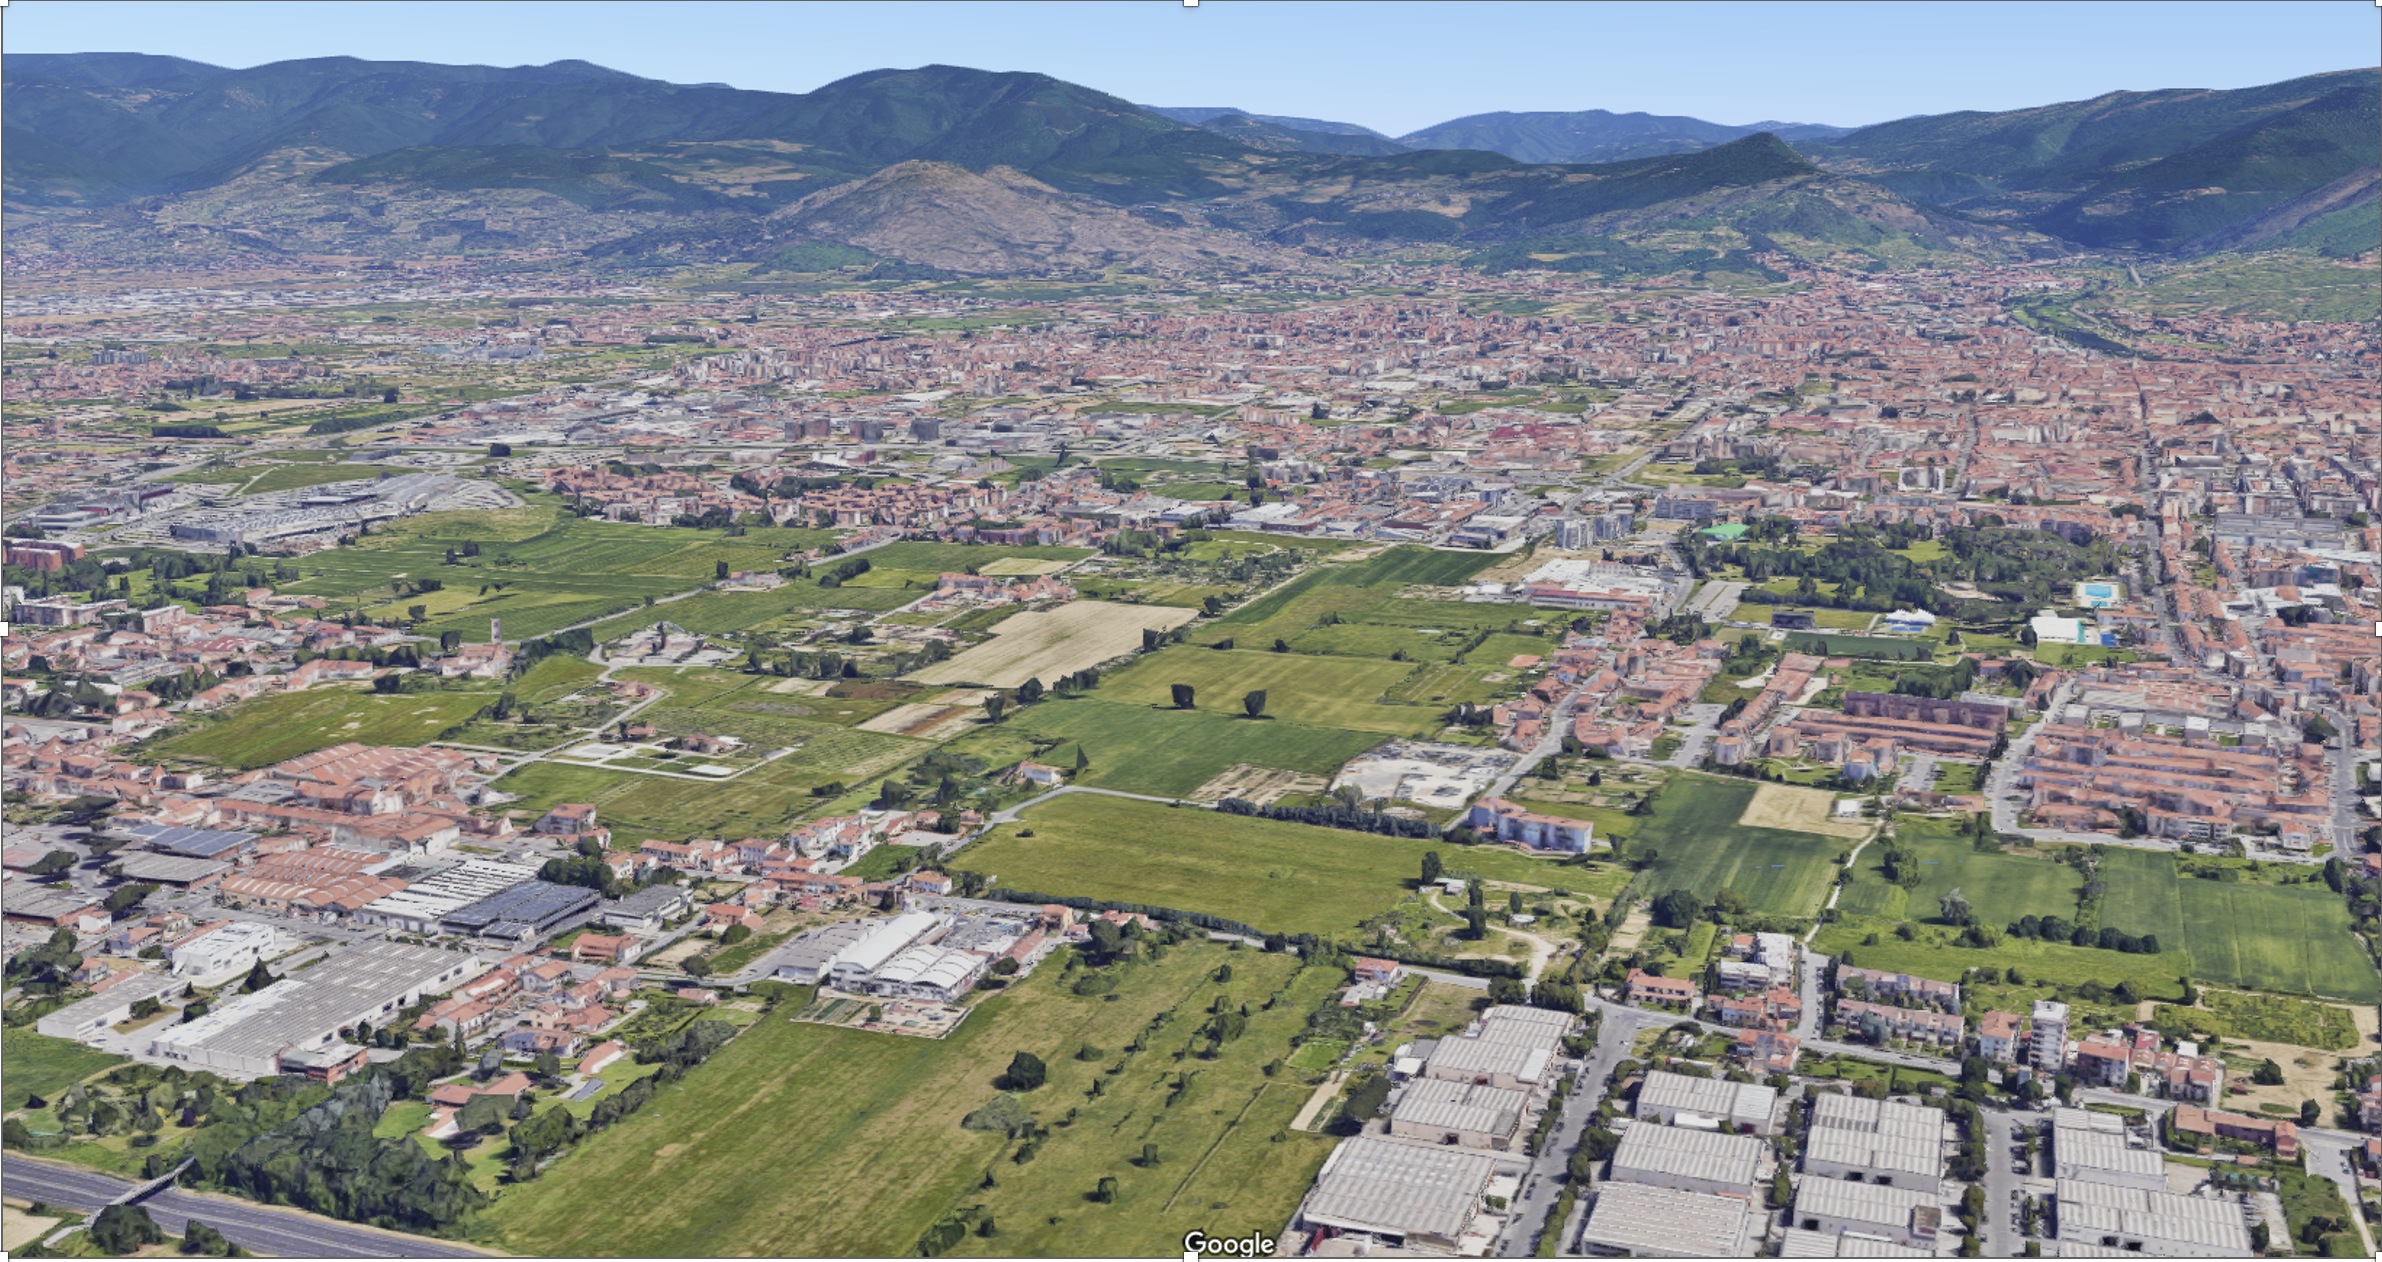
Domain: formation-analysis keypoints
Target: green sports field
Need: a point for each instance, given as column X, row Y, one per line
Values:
column 802, row 1140
column 1703, row 848
column 1338, row 692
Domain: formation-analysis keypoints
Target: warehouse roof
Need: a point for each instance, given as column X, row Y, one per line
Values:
column 304, row 1006
column 1840, row 1111
column 2096, row 1209
column 1676, row 1150
column 1400, row 1189
column 1873, row 1203
column 2079, row 1150
column 169, row 869
column 1894, row 1154
column 1461, row 1106
column 1485, row 1056
column 435, row 896
column 204, row 843
column 534, row 903
column 1745, row 1103
column 1827, row 1244
column 1660, row 1221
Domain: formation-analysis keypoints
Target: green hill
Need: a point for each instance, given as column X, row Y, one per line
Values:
column 592, row 181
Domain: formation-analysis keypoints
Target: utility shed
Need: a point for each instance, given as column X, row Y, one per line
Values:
column 1705, row 1103
column 2159, row 1224
column 1407, row 1193
column 1688, row 1160
column 1638, row 1221
column 1876, row 1141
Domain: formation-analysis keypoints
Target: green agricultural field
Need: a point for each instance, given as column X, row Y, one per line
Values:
column 1703, row 848
column 44, row 1066
column 2268, row 937
column 1406, row 564
column 1275, row 876
column 1171, row 753
column 282, row 726
column 1289, row 610
column 1337, row 692
column 1999, row 887
column 760, row 803
column 717, row 613
column 555, row 677
column 1445, row 686
column 1456, row 618
column 938, row 558
column 727, row 703
column 2045, row 964
column 807, row 1106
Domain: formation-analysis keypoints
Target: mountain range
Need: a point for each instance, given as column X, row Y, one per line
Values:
column 973, row 171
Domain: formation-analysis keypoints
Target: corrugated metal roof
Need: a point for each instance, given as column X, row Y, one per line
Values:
column 2088, row 1209
column 1380, row 1185
column 1672, row 1150
column 1460, row 1106
column 1660, row 1221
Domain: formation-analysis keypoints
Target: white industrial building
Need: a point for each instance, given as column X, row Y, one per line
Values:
column 91, row 1017
column 2156, row 1224
column 1510, row 1047
column 1689, row 1160
column 221, row 952
column 302, row 1015
column 1634, row 1220
column 1704, row 1103
column 1903, row 1216
column 423, row 906
column 1401, row 1193
column 1469, row 1114
column 2093, row 1147
column 1795, row 1242
column 928, row 972
column 1876, row 1141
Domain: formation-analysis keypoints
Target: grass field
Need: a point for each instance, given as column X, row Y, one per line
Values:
column 1338, row 692
column 805, row 1140
column 1047, row 643
column 282, row 726
column 44, row 1066
column 2000, row 887
column 936, row 558
column 1290, row 610
column 2268, row 937
column 1406, row 565
column 1703, row 848
column 756, row 804
column 1290, row 878
column 1138, row 749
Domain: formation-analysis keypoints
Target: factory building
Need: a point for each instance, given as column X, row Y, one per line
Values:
column 1634, row 1220
column 1403, row 1194
column 302, row 1019
column 1462, row 1113
column 1903, row 1216
column 1705, row 1103
column 1876, row 1141
column 1688, row 1160
column 2157, row 1224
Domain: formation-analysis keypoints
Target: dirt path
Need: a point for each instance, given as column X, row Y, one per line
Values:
column 1323, row 1095
column 1541, row 950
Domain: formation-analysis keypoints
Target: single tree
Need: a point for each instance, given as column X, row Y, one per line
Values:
column 1254, row 703
column 1026, row 1072
column 1184, row 696
column 1431, row 867
column 993, row 705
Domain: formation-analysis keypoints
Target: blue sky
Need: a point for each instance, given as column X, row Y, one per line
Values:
column 1392, row 66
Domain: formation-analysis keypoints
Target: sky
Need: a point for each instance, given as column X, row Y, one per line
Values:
column 1394, row 67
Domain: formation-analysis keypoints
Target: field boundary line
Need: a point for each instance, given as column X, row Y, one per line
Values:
column 1201, row 1164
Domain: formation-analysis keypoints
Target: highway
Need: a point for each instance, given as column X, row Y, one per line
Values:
column 260, row 1229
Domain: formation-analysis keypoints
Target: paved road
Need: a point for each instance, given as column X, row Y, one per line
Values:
column 2328, row 1155
column 1544, row 1183
column 257, row 1228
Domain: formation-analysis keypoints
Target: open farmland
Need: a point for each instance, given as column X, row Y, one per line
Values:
column 1704, row 849
column 1799, row 810
column 938, row 558
column 1409, row 565
column 2269, row 937
column 810, row 1105
column 1045, row 644
column 1999, row 887
column 1167, row 753
column 282, row 726
column 1339, row 692
column 1274, row 876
